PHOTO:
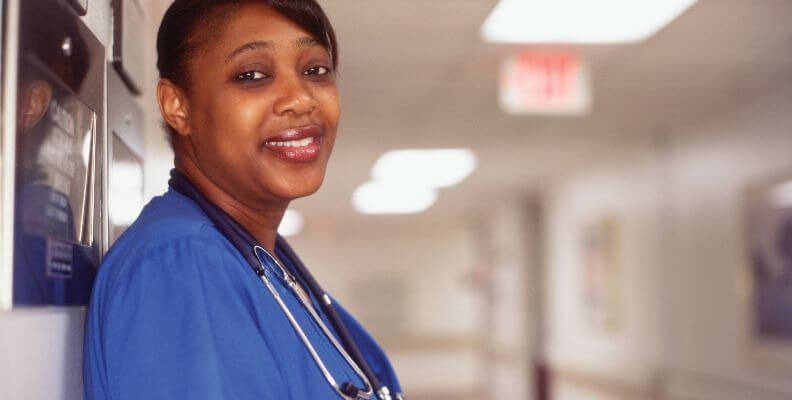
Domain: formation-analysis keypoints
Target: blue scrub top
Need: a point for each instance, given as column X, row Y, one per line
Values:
column 177, row 313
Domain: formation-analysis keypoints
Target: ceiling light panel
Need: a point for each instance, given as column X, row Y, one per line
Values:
column 376, row 197
column 579, row 21
column 430, row 168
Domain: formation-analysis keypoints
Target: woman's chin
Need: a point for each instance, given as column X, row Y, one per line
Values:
column 304, row 193
column 296, row 191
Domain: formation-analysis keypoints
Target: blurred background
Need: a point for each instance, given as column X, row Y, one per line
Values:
column 604, row 209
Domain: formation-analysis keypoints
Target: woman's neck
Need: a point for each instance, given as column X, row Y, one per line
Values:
column 261, row 221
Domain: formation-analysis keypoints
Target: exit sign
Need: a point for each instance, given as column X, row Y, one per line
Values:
column 544, row 83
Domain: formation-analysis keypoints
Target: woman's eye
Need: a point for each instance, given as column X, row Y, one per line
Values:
column 251, row 76
column 318, row 70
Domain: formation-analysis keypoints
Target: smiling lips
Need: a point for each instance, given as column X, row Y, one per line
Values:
column 298, row 144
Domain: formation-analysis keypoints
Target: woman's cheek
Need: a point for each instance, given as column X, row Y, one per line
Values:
column 331, row 105
column 247, row 116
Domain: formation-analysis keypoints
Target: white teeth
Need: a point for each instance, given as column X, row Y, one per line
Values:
column 294, row 143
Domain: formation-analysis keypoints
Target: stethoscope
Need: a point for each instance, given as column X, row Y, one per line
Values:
column 257, row 257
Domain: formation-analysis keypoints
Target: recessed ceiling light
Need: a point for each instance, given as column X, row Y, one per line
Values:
column 376, row 197
column 431, row 168
column 579, row 21
column 291, row 224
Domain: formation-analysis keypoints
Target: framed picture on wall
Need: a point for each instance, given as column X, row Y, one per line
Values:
column 129, row 57
column 601, row 273
column 768, row 283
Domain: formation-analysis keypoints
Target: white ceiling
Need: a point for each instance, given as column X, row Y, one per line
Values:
column 415, row 73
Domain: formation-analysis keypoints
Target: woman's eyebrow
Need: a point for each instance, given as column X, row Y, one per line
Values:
column 250, row 46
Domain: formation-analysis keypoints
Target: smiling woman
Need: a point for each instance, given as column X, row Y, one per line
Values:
column 254, row 114
column 200, row 298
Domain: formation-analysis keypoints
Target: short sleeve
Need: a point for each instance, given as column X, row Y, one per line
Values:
column 175, row 323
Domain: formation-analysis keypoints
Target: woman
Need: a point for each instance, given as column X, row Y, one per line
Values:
column 200, row 299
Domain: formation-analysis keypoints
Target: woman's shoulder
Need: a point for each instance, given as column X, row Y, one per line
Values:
column 172, row 236
column 165, row 218
column 165, row 222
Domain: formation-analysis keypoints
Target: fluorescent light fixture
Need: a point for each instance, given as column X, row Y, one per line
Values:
column 430, row 168
column 291, row 224
column 579, row 21
column 375, row 197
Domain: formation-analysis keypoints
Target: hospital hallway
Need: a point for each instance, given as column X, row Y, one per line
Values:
column 527, row 199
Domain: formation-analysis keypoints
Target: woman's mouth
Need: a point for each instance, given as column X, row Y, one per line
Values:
column 297, row 145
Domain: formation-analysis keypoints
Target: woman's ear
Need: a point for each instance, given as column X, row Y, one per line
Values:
column 173, row 106
column 35, row 102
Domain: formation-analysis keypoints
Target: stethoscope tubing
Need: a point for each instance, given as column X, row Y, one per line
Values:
column 246, row 245
column 335, row 319
column 260, row 252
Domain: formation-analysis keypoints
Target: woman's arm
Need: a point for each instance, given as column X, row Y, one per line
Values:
column 174, row 324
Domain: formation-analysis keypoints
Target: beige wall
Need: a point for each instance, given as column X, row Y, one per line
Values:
column 626, row 352
column 679, row 203
column 412, row 286
column 711, row 168
column 453, row 301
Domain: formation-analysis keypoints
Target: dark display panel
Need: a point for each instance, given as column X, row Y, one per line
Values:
column 58, row 231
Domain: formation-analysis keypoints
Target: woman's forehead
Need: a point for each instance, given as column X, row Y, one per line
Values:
column 264, row 26
column 298, row 43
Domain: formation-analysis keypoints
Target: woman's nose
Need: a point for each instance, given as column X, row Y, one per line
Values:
column 295, row 98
